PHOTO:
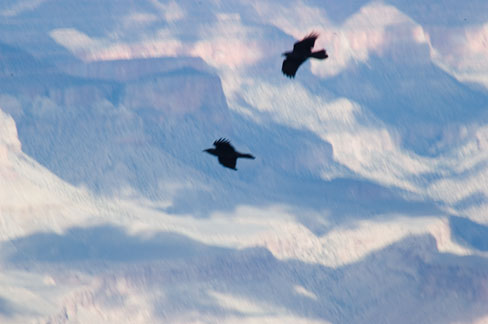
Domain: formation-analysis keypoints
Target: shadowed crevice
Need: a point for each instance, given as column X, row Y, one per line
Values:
column 469, row 233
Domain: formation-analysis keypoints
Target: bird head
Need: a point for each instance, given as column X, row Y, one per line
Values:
column 210, row 151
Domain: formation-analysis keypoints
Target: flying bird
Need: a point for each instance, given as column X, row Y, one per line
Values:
column 302, row 50
column 226, row 153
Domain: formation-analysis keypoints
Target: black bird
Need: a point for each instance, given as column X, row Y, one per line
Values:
column 302, row 50
column 226, row 153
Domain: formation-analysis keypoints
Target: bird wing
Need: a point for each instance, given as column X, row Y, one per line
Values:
column 223, row 145
column 228, row 161
column 306, row 44
column 290, row 66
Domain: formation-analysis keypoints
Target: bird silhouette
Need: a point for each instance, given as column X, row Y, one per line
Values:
column 226, row 153
column 302, row 50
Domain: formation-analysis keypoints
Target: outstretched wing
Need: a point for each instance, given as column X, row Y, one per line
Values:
column 290, row 66
column 306, row 44
column 223, row 145
column 228, row 161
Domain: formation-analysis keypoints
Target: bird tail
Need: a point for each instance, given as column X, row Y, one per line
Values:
column 322, row 54
column 247, row 156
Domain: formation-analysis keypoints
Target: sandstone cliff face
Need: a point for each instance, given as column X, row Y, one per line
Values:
column 115, row 124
